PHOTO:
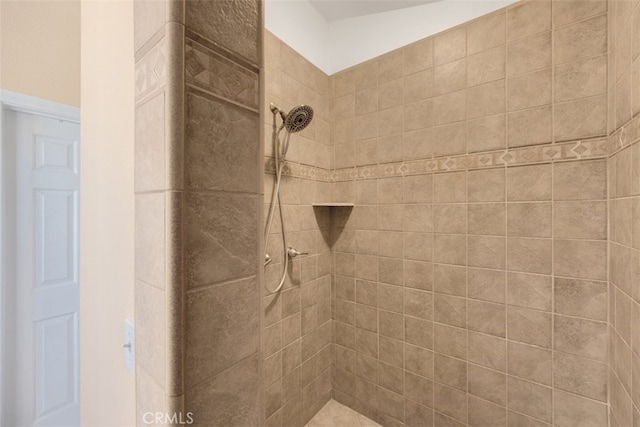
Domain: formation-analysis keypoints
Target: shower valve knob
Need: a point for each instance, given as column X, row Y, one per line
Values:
column 294, row 253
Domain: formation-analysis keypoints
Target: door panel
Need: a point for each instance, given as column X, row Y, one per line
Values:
column 47, row 289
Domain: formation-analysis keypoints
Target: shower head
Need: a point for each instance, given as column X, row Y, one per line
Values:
column 297, row 119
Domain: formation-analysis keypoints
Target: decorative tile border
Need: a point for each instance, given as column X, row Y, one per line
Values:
column 150, row 71
column 575, row 150
column 624, row 136
column 208, row 70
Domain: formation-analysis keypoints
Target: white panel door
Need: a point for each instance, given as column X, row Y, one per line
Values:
column 47, row 292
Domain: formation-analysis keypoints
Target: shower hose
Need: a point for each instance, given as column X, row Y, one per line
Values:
column 275, row 196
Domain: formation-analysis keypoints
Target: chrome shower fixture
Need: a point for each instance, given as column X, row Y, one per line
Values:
column 297, row 119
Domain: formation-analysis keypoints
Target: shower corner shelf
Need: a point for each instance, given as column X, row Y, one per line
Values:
column 333, row 205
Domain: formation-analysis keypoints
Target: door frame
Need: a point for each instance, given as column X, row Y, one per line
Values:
column 19, row 102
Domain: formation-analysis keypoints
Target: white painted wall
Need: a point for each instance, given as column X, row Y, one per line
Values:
column 106, row 212
column 337, row 45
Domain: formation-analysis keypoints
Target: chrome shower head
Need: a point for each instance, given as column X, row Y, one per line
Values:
column 297, row 119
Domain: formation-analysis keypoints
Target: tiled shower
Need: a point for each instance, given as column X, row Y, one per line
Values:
column 488, row 272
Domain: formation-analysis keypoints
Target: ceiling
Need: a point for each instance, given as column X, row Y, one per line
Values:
column 334, row 10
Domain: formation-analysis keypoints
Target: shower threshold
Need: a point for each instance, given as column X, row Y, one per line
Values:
column 335, row 414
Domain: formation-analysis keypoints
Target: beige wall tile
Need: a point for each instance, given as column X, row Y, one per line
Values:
column 450, row 218
column 390, row 149
column 450, row 340
column 485, row 413
column 449, row 139
column 150, row 239
column 529, row 362
column 449, row 108
column 391, row 378
column 487, row 218
column 528, row 55
column 366, row 75
column 418, row 189
column 390, row 66
column 208, row 236
column 529, row 326
column 450, row 279
column 580, row 79
column 150, row 169
column 572, row 410
column 390, row 297
column 417, row 144
column 486, row 185
column 450, row 187
column 570, row 11
column 450, row 45
column 418, row 218
column 418, row 389
column 528, row 18
column 418, row 361
column 580, row 118
column 487, row 384
column 366, row 101
column 581, row 376
column 418, row 246
column 233, row 388
column 514, row 418
column 418, row 275
column 487, row 285
column 451, row 372
column 580, row 220
column 487, row 350
column 579, row 258
column 486, row 100
column 487, row 318
column 418, row 56
column 529, row 90
column 529, row 255
column 366, row 126
column 529, row 398
column 486, row 66
column 450, row 310
column 450, row 402
column 487, row 133
column 486, row 251
column 450, row 77
column 486, row 32
column 530, row 127
column 580, row 180
column 581, row 40
column 581, row 337
column 390, row 94
column 529, row 219
column 418, row 115
column 581, row 298
column 237, row 336
column 529, row 183
column 450, row 249
column 418, row 86
column 418, row 332
column 529, row 290
column 416, row 414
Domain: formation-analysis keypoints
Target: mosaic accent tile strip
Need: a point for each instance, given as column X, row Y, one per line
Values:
column 150, row 71
column 298, row 170
column 575, row 150
column 217, row 74
column 624, row 136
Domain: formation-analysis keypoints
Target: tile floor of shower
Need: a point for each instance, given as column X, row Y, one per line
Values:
column 335, row 414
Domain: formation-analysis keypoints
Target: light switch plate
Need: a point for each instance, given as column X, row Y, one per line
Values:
column 129, row 345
